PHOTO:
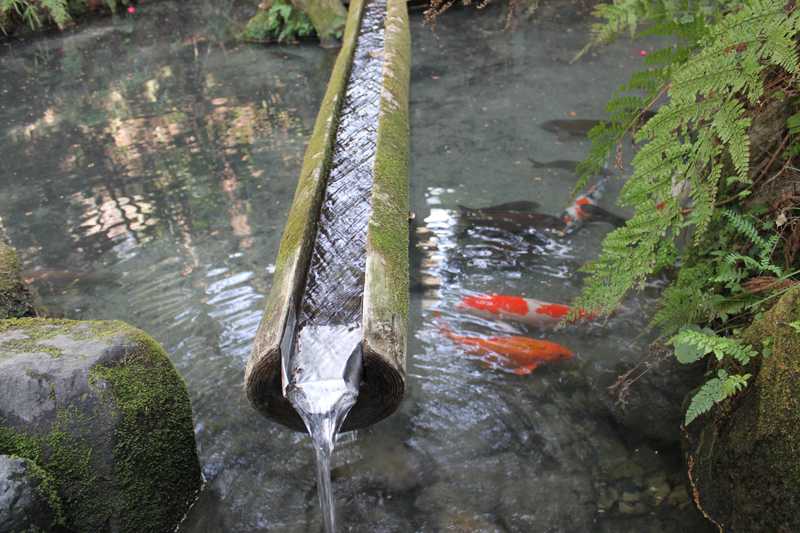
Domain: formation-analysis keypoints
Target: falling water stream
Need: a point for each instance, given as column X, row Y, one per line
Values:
column 321, row 382
column 322, row 373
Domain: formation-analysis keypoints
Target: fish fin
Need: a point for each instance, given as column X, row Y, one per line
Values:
column 598, row 214
column 525, row 370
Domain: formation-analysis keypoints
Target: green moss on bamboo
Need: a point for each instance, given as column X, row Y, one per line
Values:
column 301, row 221
column 388, row 230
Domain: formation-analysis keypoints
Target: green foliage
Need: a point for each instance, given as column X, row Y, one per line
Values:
column 694, row 157
column 693, row 344
column 282, row 22
column 696, row 144
column 36, row 13
column 680, row 18
column 713, row 392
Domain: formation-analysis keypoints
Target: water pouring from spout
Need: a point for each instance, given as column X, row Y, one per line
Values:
column 321, row 380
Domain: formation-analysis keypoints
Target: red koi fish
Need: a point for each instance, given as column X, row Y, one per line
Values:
column 526, row 310
column 523, row 354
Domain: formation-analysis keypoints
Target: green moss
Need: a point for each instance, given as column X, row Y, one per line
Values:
column 746, row 454
column 58, row 462
column 155, row 466
column 777, row 384
column 19, row 444
column 47, row 488
column 388, row 230
column 40, row 330
column 280, row 22
column 327, row 16
column 154, row 445
column 15, row 299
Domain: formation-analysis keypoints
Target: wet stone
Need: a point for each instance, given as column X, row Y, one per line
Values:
column 606, row 498
column 658, row 490
column 23, row 504
column 679, row 496
column 104, row 414
column 548, row 502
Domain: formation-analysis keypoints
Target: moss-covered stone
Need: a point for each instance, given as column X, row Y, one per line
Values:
column 327, row 16
column 28, row 500
column 15, row 298
column 745, row 455
column 277, row 20
column 108, row 420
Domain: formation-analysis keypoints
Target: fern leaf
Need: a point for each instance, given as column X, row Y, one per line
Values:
column 714, row 391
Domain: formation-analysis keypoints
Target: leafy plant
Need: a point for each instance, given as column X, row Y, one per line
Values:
column 694, row 175
column 36, row 13
column 714, row 391
column 282, row 22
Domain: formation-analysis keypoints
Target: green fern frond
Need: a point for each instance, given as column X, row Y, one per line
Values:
column 693, row 344
column 714, row 391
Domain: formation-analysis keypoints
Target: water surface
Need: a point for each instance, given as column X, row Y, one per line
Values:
column 146, row 176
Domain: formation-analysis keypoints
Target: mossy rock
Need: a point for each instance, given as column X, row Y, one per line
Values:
column 28, row 501
column 744, row 456
column 646, row 403
column 101, row 410
column 16, row 300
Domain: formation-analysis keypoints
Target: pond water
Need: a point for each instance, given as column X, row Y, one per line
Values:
column 145, row 176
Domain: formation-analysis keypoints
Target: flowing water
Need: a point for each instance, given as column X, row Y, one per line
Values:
column 323, row 372
column 146, row 175
column 321, row 382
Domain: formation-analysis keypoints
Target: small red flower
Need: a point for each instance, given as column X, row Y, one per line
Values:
column 642, row 53
column 131, row 10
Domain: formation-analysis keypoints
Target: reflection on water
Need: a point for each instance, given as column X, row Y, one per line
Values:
column 145, row 175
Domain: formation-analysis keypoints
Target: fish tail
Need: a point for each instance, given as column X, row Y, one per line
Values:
column 446, row 330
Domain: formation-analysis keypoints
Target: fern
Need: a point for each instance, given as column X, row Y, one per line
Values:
column 691, row 142
column 713, row 392
column 693, row 344
column 35, row 12
column 281, row 22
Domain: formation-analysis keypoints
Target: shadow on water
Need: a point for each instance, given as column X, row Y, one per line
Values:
column 146, row 176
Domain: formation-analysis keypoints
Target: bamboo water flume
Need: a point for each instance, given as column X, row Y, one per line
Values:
column 330, row 351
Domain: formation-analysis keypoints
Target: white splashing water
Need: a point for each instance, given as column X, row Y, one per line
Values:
column 321, row 381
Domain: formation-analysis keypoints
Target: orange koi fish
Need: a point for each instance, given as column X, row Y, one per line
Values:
column 526, row 310
column 522, row 353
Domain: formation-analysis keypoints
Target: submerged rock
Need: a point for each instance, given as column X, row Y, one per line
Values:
column 99, row 408
column 16, row 300
column 744, row 456
column 647, row 399
column 27, row 499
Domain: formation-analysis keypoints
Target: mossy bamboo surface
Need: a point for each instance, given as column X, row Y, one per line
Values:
column 386, row 278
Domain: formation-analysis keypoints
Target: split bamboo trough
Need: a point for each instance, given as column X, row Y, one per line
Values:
column 384, row 289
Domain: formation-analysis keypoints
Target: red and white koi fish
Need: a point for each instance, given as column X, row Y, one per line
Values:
column 585, row 206
column 525, row 310
column 522, row 354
